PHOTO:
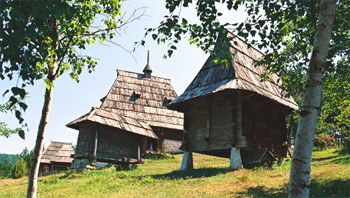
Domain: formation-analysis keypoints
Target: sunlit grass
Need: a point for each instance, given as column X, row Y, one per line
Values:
column 211, row 178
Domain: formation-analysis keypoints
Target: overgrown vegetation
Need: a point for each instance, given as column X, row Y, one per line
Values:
column 211, row 178
column 15, row 166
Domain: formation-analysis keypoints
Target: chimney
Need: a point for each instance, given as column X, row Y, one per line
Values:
column 148, row 70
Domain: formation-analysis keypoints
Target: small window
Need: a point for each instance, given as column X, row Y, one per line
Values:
column 134, row 96
column 166, row 101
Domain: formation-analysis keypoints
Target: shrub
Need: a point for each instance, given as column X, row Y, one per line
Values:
column 323, row 141
column 157, row 155
column 20, row 169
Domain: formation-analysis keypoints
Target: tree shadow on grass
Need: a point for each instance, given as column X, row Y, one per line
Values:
column 345, row 159
column 318, row 188
column 196, row 173
column 330, row 188
column 261, row 191
column 323, row 158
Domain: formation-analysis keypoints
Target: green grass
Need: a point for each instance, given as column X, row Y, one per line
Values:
column 330, row 176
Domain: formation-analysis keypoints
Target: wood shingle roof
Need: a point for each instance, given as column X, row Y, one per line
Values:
column 58, row 152
column 241, row 74
column 134, row 104
column 108, row 118
column 144, row 99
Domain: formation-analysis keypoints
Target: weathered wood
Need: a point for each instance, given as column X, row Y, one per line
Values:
column 95, row 142
column 241, row 141
column 5, row 183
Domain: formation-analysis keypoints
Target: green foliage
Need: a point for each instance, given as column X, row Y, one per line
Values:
column 335, row 112
column 9, row 107
column 6, row 132
column 14, row 157
column 6, row 167
column 20, row 169
column 41, row 40
column 156, row 155
column 323, row 141
column 27, row 156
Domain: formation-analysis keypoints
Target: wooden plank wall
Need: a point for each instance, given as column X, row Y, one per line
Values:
column 264, row 126
column 210, row 125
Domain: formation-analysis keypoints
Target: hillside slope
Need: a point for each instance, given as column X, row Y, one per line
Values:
column 330, row 176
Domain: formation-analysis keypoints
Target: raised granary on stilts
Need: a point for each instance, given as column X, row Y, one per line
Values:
column 132, row 118
column 229, row 109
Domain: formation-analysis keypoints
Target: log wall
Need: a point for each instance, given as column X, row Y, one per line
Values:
column 210, row 124
column 112, row 143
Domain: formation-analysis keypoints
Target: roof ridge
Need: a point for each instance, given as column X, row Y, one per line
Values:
column 141, row 74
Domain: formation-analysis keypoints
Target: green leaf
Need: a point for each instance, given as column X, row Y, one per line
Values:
column 21, row 134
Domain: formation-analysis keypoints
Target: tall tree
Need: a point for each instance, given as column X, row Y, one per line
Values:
column 43, row 40
column 299, row 183
column 294, row 35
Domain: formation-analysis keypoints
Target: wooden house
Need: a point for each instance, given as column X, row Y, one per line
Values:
column 229, row 108
column 57, row 157
column 132, row 118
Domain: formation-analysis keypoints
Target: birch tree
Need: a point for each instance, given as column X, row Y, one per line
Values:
column 42, row 40
column 299, row 184
column 297, row 39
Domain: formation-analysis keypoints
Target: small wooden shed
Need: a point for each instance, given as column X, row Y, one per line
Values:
column 229, row 108
column 132, row 118
column 57, row 157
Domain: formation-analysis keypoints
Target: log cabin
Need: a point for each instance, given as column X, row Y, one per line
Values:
column 229, row 109
column 132, row 118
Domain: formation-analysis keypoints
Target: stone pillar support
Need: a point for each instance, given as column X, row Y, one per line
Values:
column 187, row 162
column 235, row 159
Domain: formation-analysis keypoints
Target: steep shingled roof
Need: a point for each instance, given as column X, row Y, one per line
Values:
column 240, row 75
column 59, row 152
column 144, row 99
column 134, row 104
column 108, row 118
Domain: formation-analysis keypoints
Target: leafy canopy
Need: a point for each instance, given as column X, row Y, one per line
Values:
column 35, row 35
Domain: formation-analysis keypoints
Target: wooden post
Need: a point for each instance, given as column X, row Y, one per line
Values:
column 138, row 152
column 240, row 140
column 208, row 121
column 185, row 146
column 95, row 145
column 187, row 162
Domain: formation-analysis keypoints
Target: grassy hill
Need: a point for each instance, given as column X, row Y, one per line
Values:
column 330, row 177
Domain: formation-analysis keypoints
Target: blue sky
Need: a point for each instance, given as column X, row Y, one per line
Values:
column 71, row 99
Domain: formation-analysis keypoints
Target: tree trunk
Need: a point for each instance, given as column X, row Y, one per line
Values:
column 34, row 168
column 299, row 184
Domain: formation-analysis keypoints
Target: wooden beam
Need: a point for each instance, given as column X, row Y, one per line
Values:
column 241, row 141
column 96, row 140
column 209, row 120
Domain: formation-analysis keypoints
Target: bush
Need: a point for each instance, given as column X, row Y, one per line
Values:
column 323, row 141
column 155, row 155
column 20, row 169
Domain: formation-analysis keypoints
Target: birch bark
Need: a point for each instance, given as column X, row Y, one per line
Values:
column 299, row 184
column 34, row 167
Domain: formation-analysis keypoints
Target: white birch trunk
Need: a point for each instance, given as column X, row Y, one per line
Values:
column 299, row 184
column 34, row 167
